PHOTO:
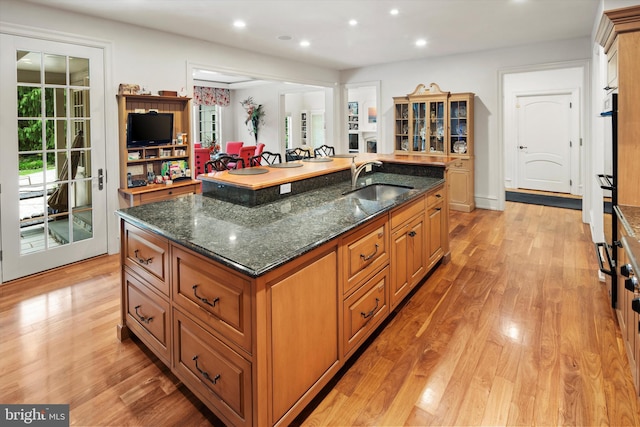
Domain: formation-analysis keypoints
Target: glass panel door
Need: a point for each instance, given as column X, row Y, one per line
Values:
column 436, row 127
column 53, row 203
column 419, row 126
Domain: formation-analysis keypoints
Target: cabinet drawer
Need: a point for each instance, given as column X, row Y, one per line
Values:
column 148, row 317
column 214, row 372
column 435, row 196
column 217, row 297
column 365, row 251
column 406, row 212
column 461, row 164
column 147, row 255
column 167, row 193
column 365, row 309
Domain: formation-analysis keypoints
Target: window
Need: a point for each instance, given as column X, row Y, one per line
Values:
column 208, row 123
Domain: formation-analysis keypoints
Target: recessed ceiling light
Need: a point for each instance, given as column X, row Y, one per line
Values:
column 394, row 11
column 421, row 42
column 353, row 22
column 305, row 43
column 286, row 38
column 239, row 24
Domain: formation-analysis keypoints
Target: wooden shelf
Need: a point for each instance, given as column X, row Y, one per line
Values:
column 151, row 158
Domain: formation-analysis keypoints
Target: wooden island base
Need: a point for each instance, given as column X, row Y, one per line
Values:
column 257, row 350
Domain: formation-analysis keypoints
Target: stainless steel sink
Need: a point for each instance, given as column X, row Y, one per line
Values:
column 378, row 192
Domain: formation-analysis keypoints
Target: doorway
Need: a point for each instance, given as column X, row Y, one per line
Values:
column 543, row 112
column 52, row 135
column 543, row 142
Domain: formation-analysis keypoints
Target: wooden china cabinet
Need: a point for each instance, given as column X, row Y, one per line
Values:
column 432, row 122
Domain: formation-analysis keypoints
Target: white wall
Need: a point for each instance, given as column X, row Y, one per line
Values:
column 473, row 72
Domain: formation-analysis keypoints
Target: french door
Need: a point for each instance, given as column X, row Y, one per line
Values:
column 52, row 140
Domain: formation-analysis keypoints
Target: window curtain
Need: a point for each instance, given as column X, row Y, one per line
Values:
column 211, row 96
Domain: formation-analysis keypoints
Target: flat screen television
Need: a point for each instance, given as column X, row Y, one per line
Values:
column 149, row 129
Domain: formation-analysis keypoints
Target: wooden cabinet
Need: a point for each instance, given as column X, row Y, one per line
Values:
column 460, row 184
column 436, row 218
column 408, row 249
column 257, row 350
column 148, row 315
column 619, row 35
column 215, row 373
column 144, row 161
column 364, row 252
column 147, row 255
column 364, row 310
column 401, row 123
column 431, row 122
column 303, row 331
column 215, row 296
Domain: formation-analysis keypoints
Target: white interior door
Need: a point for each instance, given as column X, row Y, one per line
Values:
column 543, row 142
column 52, row 139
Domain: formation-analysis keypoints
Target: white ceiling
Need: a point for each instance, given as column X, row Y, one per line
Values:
column 448, row 26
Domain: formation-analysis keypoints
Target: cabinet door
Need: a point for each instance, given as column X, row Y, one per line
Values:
column 460, row 177
column 435, row 219
column 303, row 332
column 147, row 255
column 401, row 125
column 364, row 310
column 147, row 315
column 408, row 257
column 399, row 265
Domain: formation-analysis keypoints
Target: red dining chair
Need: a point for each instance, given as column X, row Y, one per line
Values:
column 256, row 157
column 233, row 147
column 246, row 153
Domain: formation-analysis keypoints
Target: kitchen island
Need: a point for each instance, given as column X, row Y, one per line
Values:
column 255, row 308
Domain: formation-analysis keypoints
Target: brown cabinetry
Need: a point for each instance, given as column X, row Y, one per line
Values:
column 408, row 249
column 217, row 297
column 213, row 371
column 148, row 315
column 364, row 310
column 144, row 161
column 431, row 122
column 436, row 218
column 619, row 35
column 364, row 252
column 303, row 331
column 257, row 350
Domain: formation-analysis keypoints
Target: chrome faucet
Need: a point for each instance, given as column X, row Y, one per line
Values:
column 355, row 171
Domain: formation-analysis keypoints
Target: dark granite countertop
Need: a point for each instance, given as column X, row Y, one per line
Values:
column 630, row 218
column 255, row 240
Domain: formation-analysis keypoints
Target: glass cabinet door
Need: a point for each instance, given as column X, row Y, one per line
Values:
column 436, row 127
column 418, row 125
column 458, row 139
column 402, row 127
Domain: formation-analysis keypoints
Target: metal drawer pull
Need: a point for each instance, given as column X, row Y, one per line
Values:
column 144, row 261
column 368, row 257
column 412, row 233
column 204, row 300
column 205, row 374
column 369, row 314
column 141, row 317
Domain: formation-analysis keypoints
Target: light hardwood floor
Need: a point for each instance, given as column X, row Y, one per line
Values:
column 515, row 330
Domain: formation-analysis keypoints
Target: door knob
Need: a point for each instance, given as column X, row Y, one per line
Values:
column 522, row 147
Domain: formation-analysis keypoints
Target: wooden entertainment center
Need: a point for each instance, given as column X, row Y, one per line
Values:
column 139, row 161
